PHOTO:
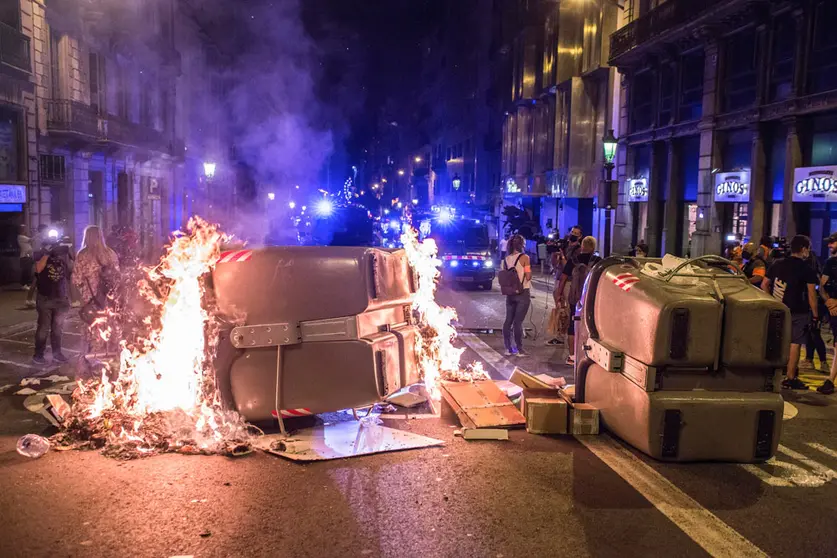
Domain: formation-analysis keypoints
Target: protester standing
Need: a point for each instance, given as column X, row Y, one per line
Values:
column 517, row 305
column 754, row 266
column 504, row 245
column 576, row 272
column 53, row 269
column 814, row 342
column 793, row 282
column 94, row 276
column 828, row 292
column 27, row 264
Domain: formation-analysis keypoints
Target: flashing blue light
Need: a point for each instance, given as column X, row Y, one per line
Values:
column 454, row 263
column 395, row 224
column 324, row 208
column 386, row 211
column 445, row 216
column 489, row 264
column 476, row 221
column 476, row 264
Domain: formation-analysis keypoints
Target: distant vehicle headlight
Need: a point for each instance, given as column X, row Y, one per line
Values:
column 489, row 264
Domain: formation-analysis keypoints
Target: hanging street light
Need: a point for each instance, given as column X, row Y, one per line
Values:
column 209, row 169
column 609, row 192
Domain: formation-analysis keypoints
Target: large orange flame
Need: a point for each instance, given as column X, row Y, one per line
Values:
column 438, row 358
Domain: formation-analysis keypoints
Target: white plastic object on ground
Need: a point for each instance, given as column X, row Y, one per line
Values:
column 32, row 445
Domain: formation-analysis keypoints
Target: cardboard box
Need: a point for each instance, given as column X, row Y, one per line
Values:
column 584, row 419
column 527, row 381
column 545, row 412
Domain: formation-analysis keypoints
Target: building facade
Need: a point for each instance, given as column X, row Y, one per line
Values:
column 729, row 119
column 96, row 119
column 562, row 98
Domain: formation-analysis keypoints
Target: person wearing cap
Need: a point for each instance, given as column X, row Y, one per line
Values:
column 828, row 292
column 754, row 265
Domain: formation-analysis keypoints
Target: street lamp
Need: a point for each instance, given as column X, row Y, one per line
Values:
column 209, row 169
column 417, row 159
column 271, row 196
column 400, row 172
column 609, row 192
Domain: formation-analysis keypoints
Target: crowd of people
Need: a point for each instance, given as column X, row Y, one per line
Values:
column 791, row 274
column 55, row 276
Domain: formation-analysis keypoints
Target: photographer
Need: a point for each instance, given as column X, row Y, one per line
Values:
column 793, row 282
column 53, row 268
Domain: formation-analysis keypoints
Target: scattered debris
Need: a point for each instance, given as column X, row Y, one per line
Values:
column 55, row 378
column 483, row 433
column 407, row 398
column 584, row 419
column 61, row 389
column 30, row 382
column 512, row 390
column 206, row 534
column 7, row 386
column 52, row 407
column 341, row 440
column 26, row 391
column 558, row 382
column 528, row 381
column 481, row 404
column 32, row 445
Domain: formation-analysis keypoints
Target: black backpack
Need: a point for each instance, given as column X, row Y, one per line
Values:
column 509, row 280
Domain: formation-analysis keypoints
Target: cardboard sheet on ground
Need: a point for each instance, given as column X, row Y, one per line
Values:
column 341, row 440
column 481, row 405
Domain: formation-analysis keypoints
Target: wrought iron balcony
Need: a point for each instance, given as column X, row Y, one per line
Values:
column 14, row 48
column 125, row 132
column 667, row 15
column 72, row 117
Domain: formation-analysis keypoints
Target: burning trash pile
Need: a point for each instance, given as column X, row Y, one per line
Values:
column 163, row 396
column 439, row 359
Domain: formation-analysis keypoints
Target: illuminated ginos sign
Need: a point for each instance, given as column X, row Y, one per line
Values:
column 637, row 189
column 511, row 186
column 732, row 187
column 812, row 184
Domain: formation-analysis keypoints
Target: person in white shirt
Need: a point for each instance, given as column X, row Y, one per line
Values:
column 517, row 306
column 504, row 245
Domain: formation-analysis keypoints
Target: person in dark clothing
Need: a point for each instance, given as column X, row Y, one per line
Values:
column 792, row 282
column 575, row 272
column 828, row 292
column 53, row 268
column 814, row 342
column 754, row 265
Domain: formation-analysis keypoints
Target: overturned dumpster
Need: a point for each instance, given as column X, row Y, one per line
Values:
column 688, row 367
column 313, row 329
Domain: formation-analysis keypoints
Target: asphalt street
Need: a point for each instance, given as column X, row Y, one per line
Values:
column 529, row 496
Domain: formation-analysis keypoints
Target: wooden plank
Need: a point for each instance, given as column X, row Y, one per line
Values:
column 481, row 405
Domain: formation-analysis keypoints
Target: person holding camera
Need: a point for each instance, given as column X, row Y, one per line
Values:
column 53, row 267
column 793, row 282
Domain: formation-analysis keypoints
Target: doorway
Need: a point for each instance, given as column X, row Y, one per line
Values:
column 123, row 197
column 95, row 198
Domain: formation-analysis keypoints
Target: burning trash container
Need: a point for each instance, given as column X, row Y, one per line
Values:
column 313, row 329
column 683, row 358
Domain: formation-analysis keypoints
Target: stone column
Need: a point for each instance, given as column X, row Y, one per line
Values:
column 674, row 200
column 624, row 168
column 793, row 159
column 756, row 209
column 707, row 236
column 656, row 182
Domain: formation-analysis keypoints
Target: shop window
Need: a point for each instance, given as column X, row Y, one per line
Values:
column 824, row 148
column 739, row 219
column 642, row 101
column 740, row 75
column 10, row 153
column 10, row 13
column 822, row 69
column 691, row 86
column 781, row 67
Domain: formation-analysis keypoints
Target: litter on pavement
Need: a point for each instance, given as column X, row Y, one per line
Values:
column 482, row 433
column 342, row 440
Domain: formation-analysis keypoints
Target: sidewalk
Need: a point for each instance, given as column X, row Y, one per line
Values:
column 12, row 309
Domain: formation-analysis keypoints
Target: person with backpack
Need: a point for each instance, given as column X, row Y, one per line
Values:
column 53, row 268
column 515, row 280
column 575, row 272
column 95, row 276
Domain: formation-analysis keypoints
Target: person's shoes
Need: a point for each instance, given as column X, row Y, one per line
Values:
column 510, row 352
column 25, row 288
column 570, row 361
column 522, row 353
column 806, row 365
column 827, row 388
column 39, row 359
column 795, row 383
column 554, row 341
column 59, row 357
column 29, row 303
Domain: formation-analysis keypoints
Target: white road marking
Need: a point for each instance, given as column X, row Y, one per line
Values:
column 701, row 525
column 764, row 476
column 491, row 357
column 818, row 468
column 705, row 528
column 826, row 450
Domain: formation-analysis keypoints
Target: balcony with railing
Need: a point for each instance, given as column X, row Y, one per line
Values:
column 14, row 48
column 666, row 16
column 124, row 132
column 72, row 117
